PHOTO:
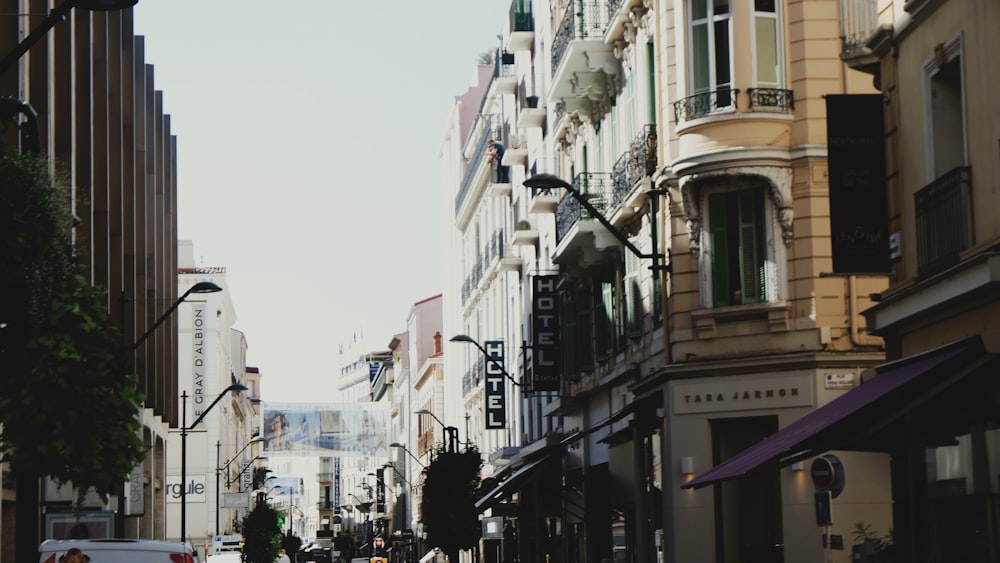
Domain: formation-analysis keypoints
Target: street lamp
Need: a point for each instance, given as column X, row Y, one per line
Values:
column 407, row 450
column 198, row 288
column 57, row 15
column 469, row 340
column 220, row 468
column 546, row 181
column 434, row 416
column 450, row 432
column 401, row 476
column 235, row 387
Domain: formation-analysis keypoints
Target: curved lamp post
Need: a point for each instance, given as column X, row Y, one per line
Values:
column 469, row 340
column 407, row 450
column 236, row 387
column 220, row 468
column 198, row 288
column 57, row 15
column 401, row 476
column 450, row 432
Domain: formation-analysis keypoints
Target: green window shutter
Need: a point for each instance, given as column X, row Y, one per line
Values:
column 719, row 249
column 651, row 66
column 633, row 294
column 569, row 338
column 751, row 228
column 586, row 327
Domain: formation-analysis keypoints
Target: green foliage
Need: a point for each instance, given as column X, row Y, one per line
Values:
column 69, row 409
column 863, row 533
column 35, row 246
column 448, row 510
column 344, row 543
column 291, row 544
column 261, row 535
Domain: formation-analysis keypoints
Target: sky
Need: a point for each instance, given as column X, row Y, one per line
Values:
column 307, row 139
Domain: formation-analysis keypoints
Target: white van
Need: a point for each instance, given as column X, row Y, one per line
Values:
column 115, row 551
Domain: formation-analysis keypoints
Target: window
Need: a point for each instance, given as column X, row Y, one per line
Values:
column 737, row 249
column 766, row 45
column 709, row 47
column 946, row 119
column 576, row 343
column 607, row 320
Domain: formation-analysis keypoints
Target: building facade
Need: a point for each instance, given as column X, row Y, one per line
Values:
column 211, row 357
column 104, row 126
column 669, row 181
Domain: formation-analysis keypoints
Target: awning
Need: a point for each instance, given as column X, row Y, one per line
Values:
column 811, row 435
column 509, row 485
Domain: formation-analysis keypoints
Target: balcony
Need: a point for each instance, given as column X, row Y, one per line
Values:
column 584, row 67
column 325, row 504
column 705, row 103
column 325, row 477
column 943, row 221
column 621, row 15
column 637, row 163
column 544, row 201
column 859, row 22
column 504, row 74
column 522, row 26
column 516, row 153
column 580, row 238
column 529, row 115
column 525, row 234
column 477, row 169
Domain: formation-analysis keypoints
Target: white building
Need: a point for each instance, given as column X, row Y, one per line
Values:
column 211, row 358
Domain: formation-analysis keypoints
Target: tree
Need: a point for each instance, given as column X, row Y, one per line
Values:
column 261, row 534
column 69, row 409
column 448, row 509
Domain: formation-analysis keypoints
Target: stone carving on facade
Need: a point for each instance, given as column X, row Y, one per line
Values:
column 779, row 182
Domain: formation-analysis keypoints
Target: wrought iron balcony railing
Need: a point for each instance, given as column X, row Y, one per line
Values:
column 771, row 98
column 613, row 6
column 699, row 105
column 638, row 162
column 486, row 131
column 597, row 187
column 943, row 221
column 582, row 20
column 325, row 504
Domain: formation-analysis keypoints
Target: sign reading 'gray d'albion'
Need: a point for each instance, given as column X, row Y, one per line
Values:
column 545, row 333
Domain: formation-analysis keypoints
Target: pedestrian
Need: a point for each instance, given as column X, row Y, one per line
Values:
column 495, row 152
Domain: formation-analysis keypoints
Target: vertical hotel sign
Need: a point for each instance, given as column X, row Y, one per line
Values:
column 545, row 330
column 496, row 388
column 198, row 334
column 859, row 216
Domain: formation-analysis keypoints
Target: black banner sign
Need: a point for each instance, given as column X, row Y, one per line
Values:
column 545, row 333
column 496, row 388
column 859, row 211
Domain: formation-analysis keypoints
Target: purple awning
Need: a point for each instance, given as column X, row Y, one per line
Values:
column 793, row 439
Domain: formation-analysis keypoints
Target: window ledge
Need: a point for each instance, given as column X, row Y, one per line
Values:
column 706, row 320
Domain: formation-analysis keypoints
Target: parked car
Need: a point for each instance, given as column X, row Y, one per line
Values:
column 115, row 551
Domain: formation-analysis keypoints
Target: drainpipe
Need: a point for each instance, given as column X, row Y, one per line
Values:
column 858, row 338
